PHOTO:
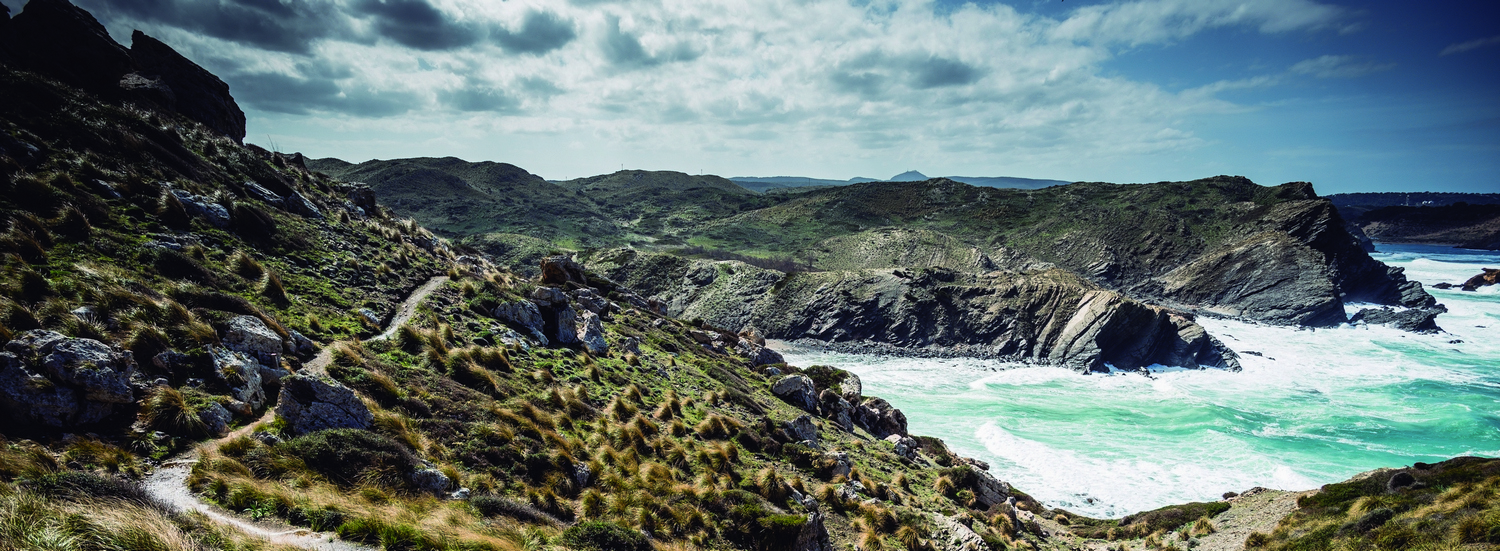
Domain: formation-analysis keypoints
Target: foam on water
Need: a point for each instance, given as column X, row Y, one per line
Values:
column 1313, row 407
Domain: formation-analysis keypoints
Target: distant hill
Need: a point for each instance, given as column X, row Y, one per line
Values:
column 1468, row 220
column 764, row 184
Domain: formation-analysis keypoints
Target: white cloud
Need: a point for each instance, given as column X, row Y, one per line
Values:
column 1338, row 66
column 798, row 83
column 1462, row 47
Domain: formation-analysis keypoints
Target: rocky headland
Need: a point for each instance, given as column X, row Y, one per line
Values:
column 1048, row 316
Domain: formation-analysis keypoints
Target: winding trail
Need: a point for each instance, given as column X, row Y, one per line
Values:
column 168, row 484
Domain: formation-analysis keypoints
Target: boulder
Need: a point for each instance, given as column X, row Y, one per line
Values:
column 241, row 373
column 298, row 345
column 802, row 429
column 198, row 94
column 988, row 490
column 260, row 192
column 591, row 333
column 430, row 480
column 215, row 418
column 199, row 206
column 949, row 534
column 1415, row 320
column 250, row 335
column 880, row 418
column 562, row 269
column 906, row 446
column 298, row 204
column 851, row 388
column 559, row 320
column 523, row 315
column 757, row 354
column 814, row 535
column 841, row 463
column 311, row 403
column 28, row 395
column 363, row 197
column 1490, row 276
column 35, row 343
column 102, row 373
column 797, row 390
column 837, row 409
column 582, row 475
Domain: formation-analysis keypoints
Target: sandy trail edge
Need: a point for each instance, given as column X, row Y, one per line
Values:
column 168, row 484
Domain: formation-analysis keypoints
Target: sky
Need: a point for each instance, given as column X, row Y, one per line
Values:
column 1352, row 96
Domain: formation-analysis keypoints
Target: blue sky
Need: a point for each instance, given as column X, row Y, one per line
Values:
column 1369, row 96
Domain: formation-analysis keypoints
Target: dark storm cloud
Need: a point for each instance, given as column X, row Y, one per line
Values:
column 267, row 24
column 301, row 95
column 937, row 72
column 540, row 32
column 416, row 24
column 870, row 74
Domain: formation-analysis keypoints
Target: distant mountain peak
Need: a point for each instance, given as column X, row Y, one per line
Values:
column 909, row 176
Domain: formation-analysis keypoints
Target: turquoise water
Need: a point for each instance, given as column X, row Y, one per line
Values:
column 1315, row 407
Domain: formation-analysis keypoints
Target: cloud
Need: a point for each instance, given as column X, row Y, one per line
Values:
column 1338, row 66
column 771, row 79
column 540, row 32
column 416, row 23
column 1462, row 47
column 268, row 24
column 1160, row 21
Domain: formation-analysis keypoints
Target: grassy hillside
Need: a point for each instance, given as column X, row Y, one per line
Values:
column 149, row 233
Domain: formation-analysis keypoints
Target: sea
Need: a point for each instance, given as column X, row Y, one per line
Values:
column 1311, row 407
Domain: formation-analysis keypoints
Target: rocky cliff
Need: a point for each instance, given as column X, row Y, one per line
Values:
column 1048, row 316
column 58, row 40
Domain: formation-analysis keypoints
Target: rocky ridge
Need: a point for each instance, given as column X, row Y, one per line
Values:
column 1048, row 317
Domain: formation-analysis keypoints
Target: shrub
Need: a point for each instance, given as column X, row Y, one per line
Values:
column 274, row 290
column 171, row 411
column 491, row 505
column 349, row 456
column 604, row 536
column 81, row 486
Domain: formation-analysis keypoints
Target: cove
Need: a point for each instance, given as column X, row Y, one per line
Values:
column 1311, row 406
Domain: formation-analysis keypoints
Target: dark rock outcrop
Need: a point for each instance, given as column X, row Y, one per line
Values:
column 199, row 95
column 56, row 39
column 1048, row 317
column 1415, row 320
column 1269, row 277
column 880, row 418
column 1489, row 277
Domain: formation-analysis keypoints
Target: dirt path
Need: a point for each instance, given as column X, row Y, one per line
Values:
column 168, row 483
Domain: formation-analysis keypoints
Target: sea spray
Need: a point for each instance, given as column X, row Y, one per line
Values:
column 1311, row 406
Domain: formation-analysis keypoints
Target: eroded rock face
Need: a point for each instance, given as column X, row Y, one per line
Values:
column 1489, row 277
column 248, row 334
column 797, row 390
column 1269, row 277
column 311, row 403
column 1050, row 317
